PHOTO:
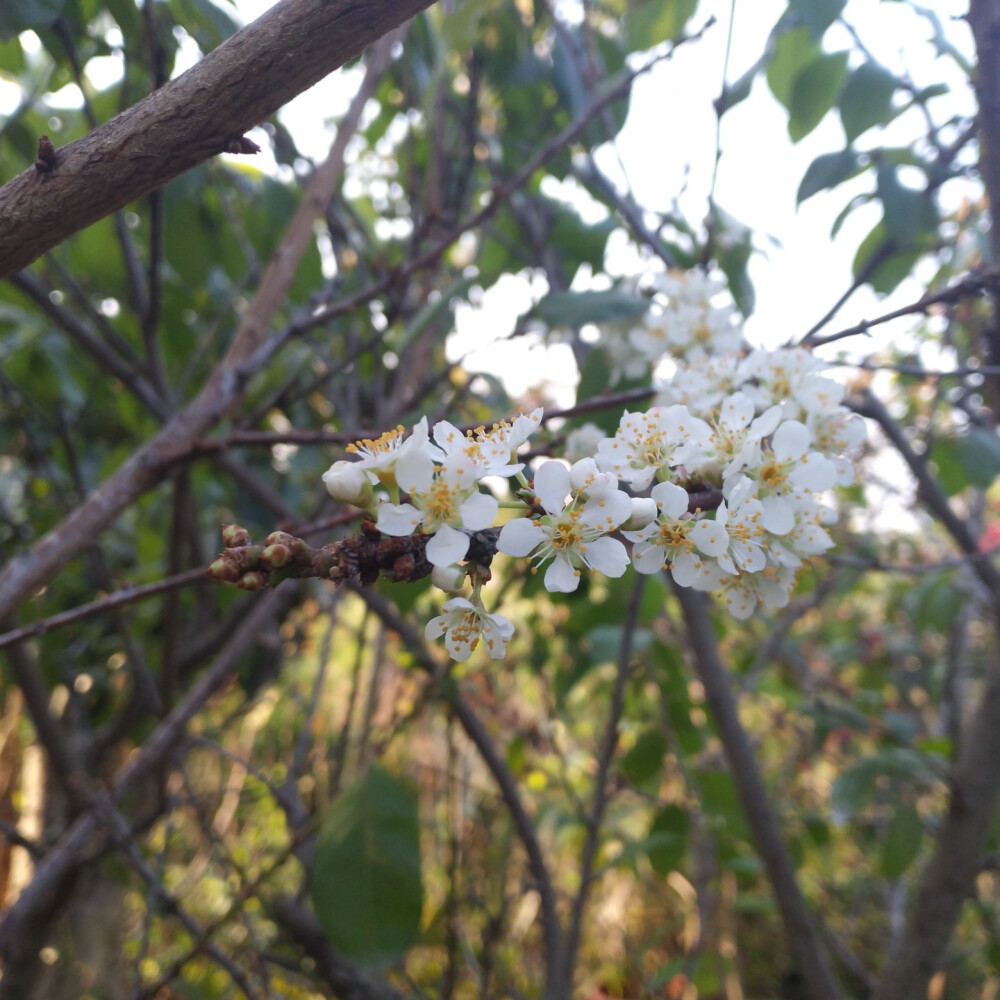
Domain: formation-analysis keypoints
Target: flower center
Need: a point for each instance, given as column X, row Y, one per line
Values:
column 566, row 534
column 385, row 444
column 439, row 503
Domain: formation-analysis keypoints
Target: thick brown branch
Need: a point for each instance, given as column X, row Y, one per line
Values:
column 188, row 120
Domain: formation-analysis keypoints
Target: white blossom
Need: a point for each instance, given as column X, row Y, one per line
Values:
column 444, row 499
column 653, row 442
column 378, row 456
column 675, row 538
column 783, row 470
column 572, row 532
column 463, row 625
column 348, row 482
column 490, row 451
column 738, row 520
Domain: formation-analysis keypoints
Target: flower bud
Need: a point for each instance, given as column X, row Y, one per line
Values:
column 448, row 578
column 643, row 512
column 348, row 482
column 233, row 536
column 224, row 571
column 276, row 555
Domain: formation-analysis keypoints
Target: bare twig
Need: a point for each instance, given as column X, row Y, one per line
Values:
column 124, row 596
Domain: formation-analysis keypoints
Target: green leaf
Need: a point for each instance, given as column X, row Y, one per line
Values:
column 460, row 26
column 891, row 267
column 902, row 841
column 11, row 57
column 205, row 21
column 22, row 15
column 721, row 803
column 645, row 760
column 733, row 262
column 866, row 99
column 827, row 171
column 649, row 22
column 668, row 839
column 366, row 885
column 793, row 52
column 855, row 787
column 972, row 459
column 578, row 308
column 814, row 92
column 908, row 213
column 817, row 15
column 738, row 91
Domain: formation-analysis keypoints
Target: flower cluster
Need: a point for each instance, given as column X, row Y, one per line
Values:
column 719, row 481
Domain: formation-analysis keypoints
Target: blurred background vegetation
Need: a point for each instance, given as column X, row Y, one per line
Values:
column 331, row 717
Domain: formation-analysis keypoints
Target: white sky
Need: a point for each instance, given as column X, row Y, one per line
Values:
column 668, row 146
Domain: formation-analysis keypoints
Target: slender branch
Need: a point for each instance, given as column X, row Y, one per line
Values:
column 599, row 802
column 930, row 491
column 124, row 596
column 970, row 285
column 347, row 981
column 805, row 944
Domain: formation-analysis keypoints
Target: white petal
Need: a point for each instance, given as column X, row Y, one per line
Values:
column 448, row 436
column 607, row 556
column 459, row 650
column 414, row 470
column 740, row 601
column 814, row 473
column 479, row 511
column 643, row 513
column 606, row 512
column 435, row 627
column 561, row 577
column 552, row 485
column 684, row 569
column 736, row 411
column 398, row 519
column 710, row 537
column 519, row 537
column 459, row 470
column 779, row 516
column 670, row 498
column 447, row 546
column 766, row 423
column 750, row 558
column 347, row 482
column 790, row 441
column 448, row 578
column 648, row 558
column 459, row 603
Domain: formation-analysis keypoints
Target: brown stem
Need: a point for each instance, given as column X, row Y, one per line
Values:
column 805, row 944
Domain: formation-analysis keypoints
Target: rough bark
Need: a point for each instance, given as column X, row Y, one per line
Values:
column 189, row 120
column 984, row 18
column 948, row 879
